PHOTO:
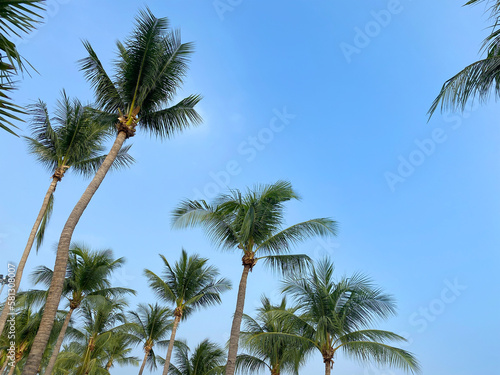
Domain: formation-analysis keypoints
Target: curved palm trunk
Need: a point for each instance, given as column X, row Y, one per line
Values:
column 57, row 347
column 144, row 362
column 171, row 344
column 27, row 249
column 56, row 286
column 235, row 329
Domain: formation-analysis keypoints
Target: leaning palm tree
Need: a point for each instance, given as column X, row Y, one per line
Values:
column 71, row 140
column 190, row 284
column 276, row 354
column 338, row 316
column 150, row 68
column 17, row 17
column 479, row 79
column 207, row 359
column 252, row 224
column 88, row 275
column 150, row 325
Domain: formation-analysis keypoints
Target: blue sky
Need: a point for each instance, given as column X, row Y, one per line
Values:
column 417, row 202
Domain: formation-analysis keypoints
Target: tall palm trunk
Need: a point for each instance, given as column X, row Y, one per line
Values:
column 109, row 364
column 144, row 361
column 4, row 366
column 57, row 347
column 328, row 367
column 235, row 329
column 56, row 286
column 12, row 369
column 172, row 340
column 27, row 249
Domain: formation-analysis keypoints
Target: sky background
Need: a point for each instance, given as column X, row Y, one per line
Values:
column 424, row 226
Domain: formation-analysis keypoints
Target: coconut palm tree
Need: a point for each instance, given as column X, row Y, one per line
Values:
column 478, row 79
column 276, row 354
column 88, row 275
column 150, row 68
column 70, row 140
column 88, row 351
column 17, row 17
column 190, row 284
column 118, row 349
column 150, row 325
column 336, row 316
column 252, row 224
column 207, row 359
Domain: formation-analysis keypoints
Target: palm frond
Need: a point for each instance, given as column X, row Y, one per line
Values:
column 89, row 167
column 478, row 80
column 283, row 240
column 248, row 364
column 287, row 264
column 45, row 220
column 167, row 122
column 107, row 95
column 366, row 351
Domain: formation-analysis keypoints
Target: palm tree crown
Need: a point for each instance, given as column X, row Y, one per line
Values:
column 150, row 325
column 252, row 223
column 338, row 316
column 207, row 359
column 150, row 68
column 189, row 284
column 276, row 354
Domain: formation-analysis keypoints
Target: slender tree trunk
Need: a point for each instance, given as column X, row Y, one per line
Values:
column 57, row 347
column 56, row 286
column 328, row 367
column 27, row 249
column 109, row 364
column 4, row 366
column 144, row 362
column 12, row 369
column 171, row 344
column 235, row 329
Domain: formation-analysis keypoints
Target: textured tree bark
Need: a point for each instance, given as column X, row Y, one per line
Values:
column 4, row 366
column 144, row 362
column 235, row 329
column 12, row 369
column 109, row 364
column 328, row 367
column 56, row 286
column 57, row 347
column 27, row 249
column 171, row 344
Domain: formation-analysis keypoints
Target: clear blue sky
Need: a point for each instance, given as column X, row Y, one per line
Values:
column 417, row 202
